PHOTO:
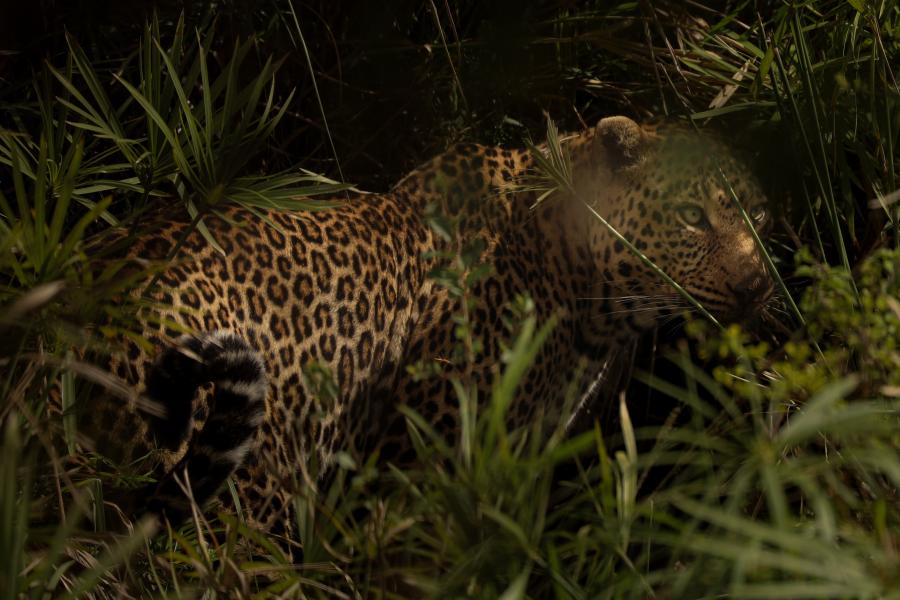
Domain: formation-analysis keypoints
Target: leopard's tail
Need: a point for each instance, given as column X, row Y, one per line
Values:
column 236, row 411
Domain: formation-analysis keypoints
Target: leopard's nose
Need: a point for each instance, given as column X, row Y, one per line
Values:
column 754, row 289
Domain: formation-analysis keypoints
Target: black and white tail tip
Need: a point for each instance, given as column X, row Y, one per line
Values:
column 236, row 411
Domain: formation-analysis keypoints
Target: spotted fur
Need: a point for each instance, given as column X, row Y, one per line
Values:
column 348, row 288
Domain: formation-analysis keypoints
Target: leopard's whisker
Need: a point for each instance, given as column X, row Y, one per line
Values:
column 632, row 283
column 642, row 309
column 662, row 298
column 776, row 305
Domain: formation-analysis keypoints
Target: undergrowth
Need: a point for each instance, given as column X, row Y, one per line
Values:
column 774, row 476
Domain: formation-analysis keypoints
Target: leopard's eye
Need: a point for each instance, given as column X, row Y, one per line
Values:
column 693, row 215
column 759, row 214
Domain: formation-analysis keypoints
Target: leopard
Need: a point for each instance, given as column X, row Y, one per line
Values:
column 653, row 222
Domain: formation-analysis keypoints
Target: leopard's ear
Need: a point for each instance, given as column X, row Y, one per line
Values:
column 619, row 142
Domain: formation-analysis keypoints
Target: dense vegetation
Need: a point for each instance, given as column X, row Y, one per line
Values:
column 758, row 463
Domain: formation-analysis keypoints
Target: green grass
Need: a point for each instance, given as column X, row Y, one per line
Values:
column 775, row 476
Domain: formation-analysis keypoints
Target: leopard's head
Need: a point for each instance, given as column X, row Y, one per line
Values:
column 667, row 192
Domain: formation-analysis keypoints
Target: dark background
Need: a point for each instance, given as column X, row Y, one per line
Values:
column 389, row 94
